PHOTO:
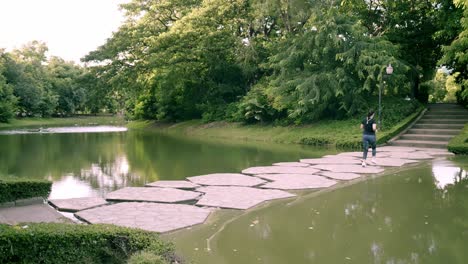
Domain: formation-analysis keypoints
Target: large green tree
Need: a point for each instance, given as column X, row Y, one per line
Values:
column 330, row 68
column 456, row 55
column 268, row 59
column 27, row 73
column 63, row 77
column 418, row 27
column 7, row 99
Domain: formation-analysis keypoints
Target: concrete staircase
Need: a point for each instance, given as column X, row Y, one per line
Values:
column 435, row 129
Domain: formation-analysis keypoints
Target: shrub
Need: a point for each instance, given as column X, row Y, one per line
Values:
column 397, row 128
column 15, row 189
column 70, row 243
column 255, row 107
column 394, row 110
column 459, row 144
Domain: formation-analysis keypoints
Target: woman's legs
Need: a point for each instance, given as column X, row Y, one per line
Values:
column 366, row 141
column 365, row 145
column 373, row 143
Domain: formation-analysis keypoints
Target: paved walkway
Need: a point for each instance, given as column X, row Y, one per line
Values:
column 158, row 206
column 31, row 214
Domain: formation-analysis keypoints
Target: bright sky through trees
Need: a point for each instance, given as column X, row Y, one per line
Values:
column 70, row 28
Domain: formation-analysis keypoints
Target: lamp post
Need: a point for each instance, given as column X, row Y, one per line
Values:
column 388, row 71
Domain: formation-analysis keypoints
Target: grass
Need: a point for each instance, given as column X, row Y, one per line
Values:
column 459, row 143
column 337, row 133
column 63, row 121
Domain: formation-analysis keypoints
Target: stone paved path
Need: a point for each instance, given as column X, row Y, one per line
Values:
column 152, row 194
column 77, row 204
column 36, row 213
column 149, row 216
column 226, row 179
column 240, row 191
column 295, row 181
column 173, row 184
column 238, row 197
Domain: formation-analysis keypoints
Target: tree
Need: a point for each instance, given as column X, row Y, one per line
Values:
column 456, row 55
column 330, row 68
column 63, row 77
column 26, row 72
column 7, row 99
column 418, row 27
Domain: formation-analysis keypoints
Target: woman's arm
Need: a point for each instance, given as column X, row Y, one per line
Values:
column 374, row 127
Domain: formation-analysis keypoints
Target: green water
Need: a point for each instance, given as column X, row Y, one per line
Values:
column 412, row 215
column 93, row 164
column 418, row 215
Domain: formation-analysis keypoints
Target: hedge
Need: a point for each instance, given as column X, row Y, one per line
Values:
column 459, row 143
column 395, row 130
column 15, row 189
column 71, row 243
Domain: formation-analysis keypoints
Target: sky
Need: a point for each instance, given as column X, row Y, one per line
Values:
column 70, row 28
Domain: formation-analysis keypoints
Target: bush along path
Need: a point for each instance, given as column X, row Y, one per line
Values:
column 165, row 206
column 436, row 128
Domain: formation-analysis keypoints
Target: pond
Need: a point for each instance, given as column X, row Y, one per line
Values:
column 92, row 164
column 416, row 215
column 413, row 215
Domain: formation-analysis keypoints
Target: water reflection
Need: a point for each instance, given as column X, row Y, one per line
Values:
column 98, row 163
column 446, row 173
column 71, row 187
column 107, row 177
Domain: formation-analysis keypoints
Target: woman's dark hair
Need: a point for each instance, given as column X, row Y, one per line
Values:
column 371, row 112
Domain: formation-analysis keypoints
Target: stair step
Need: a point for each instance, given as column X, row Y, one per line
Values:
column 448, row 113
column 452, row 132
column 426, row 137
column 441, row 121
column 458, row 117
column 420, row 143
column 443, row 126
column 444, row 106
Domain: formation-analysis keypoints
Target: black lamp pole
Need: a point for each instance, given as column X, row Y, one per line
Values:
column 388, row 71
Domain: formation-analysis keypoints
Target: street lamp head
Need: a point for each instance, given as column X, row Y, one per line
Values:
column 389, row 69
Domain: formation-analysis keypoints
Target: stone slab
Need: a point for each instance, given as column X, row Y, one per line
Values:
column 435, row 152
column 333, row 160
column 77, row 204
column 390, row 162
column 396, row 149
column 349, row 168
column 37, row 213
column 153, row 194
column 238, row 197
column 417, row 155
column 344, row 176
column 280, row 170
column 154, row 217
column 173, row 184
column 295, row 181
column 291, row 164
column 226, row 179
column 359, row 154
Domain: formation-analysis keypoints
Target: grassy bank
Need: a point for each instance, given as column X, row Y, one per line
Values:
column 65, row 121
column 338, row 133
column 459, row 144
